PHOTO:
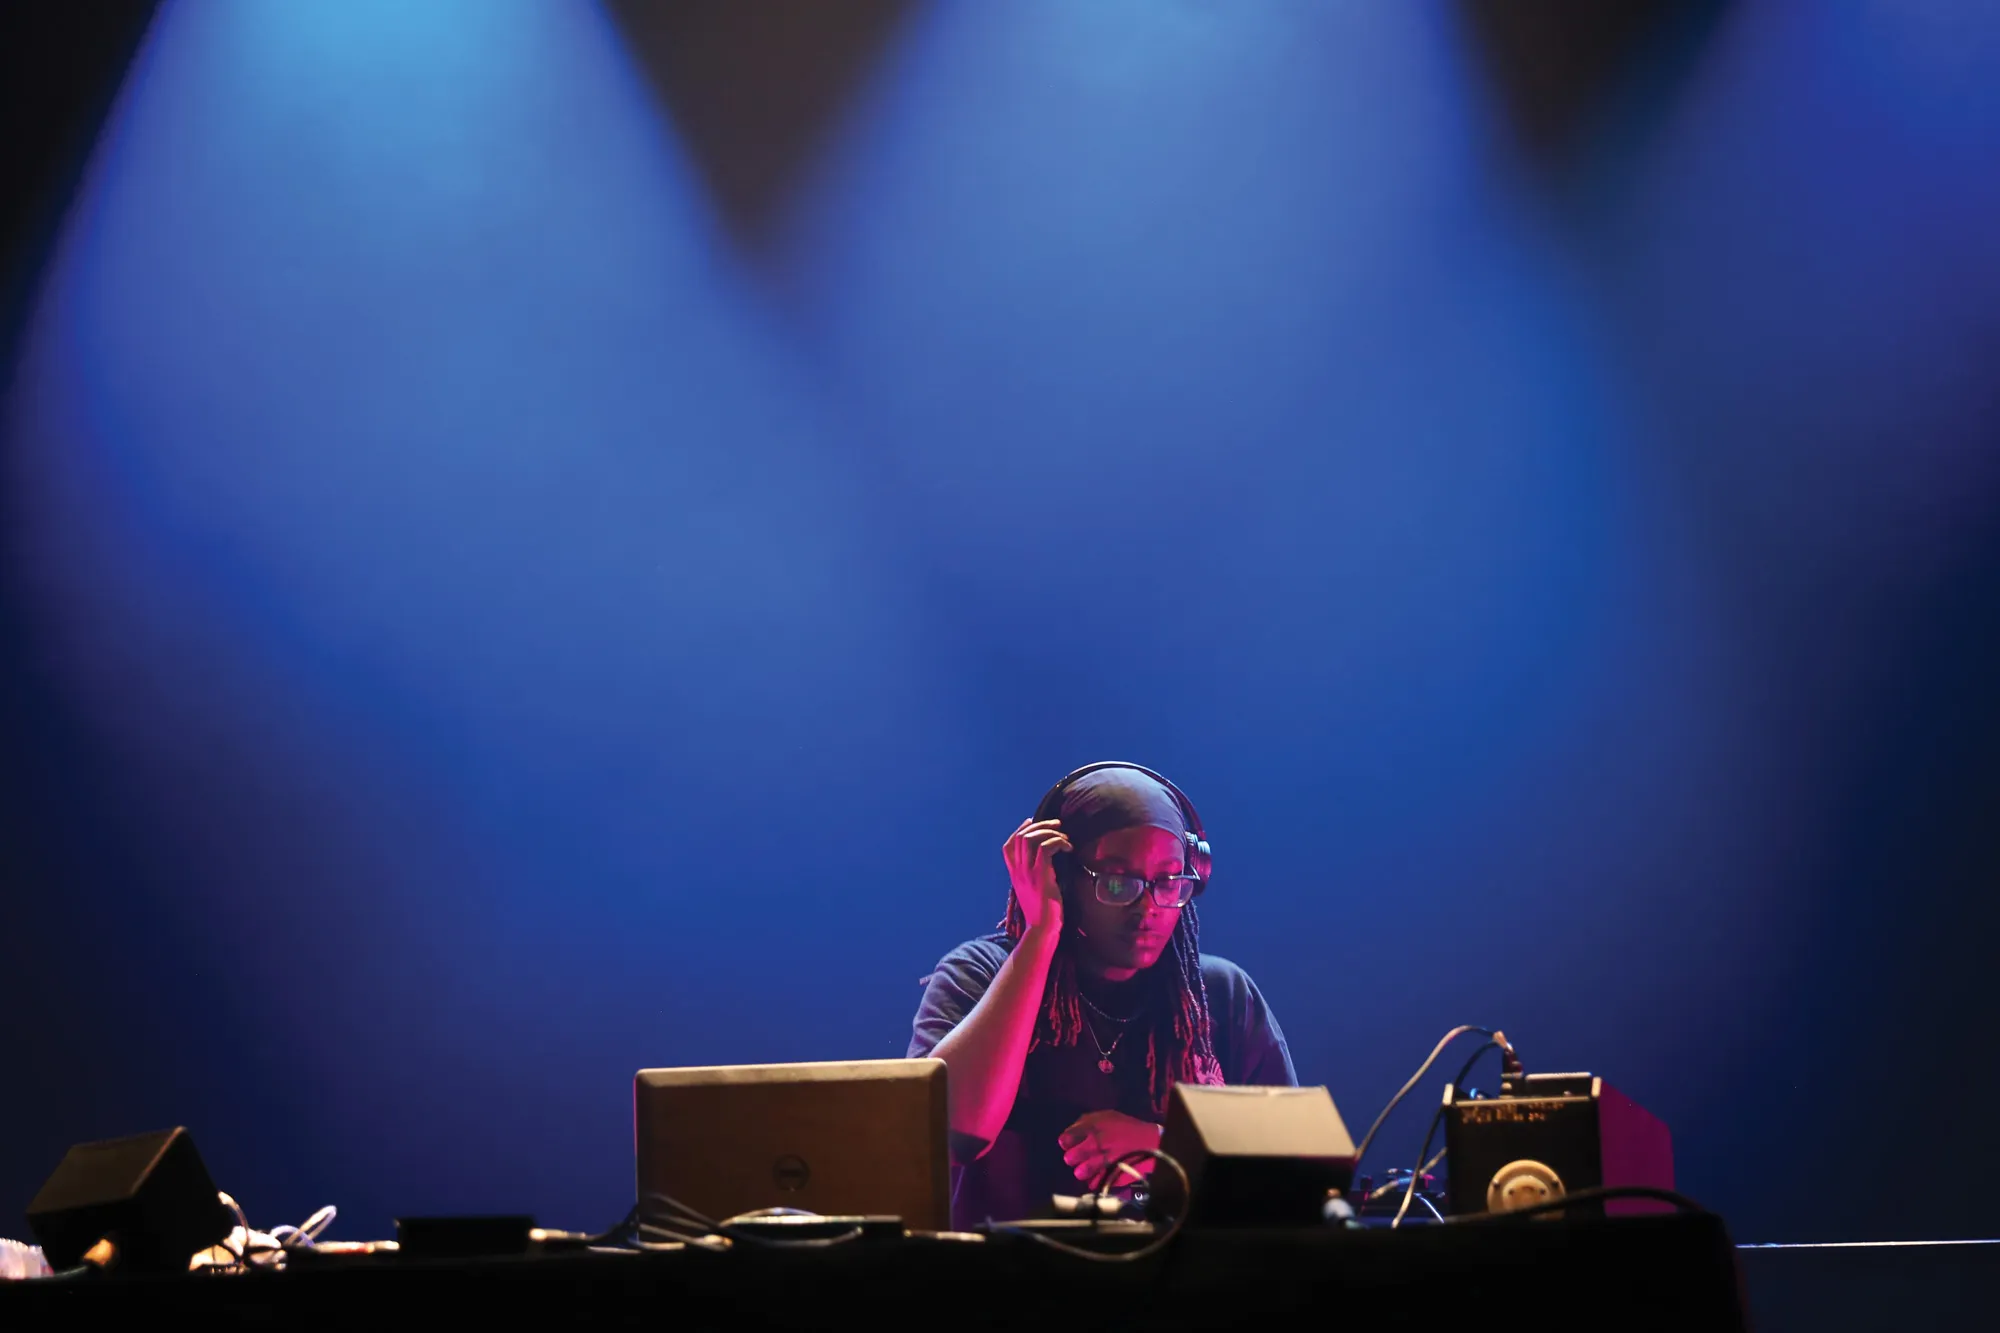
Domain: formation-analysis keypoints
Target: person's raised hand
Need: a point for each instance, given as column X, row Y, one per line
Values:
column 1030, row 855
column 1100, row 1138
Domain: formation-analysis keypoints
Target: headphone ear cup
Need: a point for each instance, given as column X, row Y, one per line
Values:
column 1198, row 859
column 1066, row 880
column 1064, row 864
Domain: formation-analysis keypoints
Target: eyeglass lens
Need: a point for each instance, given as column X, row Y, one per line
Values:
column 1123, row 890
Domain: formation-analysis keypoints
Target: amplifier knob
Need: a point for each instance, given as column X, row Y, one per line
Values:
column 1522, row 1184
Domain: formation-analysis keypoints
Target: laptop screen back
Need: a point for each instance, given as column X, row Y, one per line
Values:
column 835, row 1137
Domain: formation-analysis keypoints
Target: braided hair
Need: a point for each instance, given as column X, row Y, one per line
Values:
column 1181, row 1050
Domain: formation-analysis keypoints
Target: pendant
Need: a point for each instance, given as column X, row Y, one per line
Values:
column 1104, row 1066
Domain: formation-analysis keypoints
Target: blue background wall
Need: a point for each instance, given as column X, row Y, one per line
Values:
column 500, row 597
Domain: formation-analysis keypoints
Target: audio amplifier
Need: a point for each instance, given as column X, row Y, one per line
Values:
column 1548, row 1136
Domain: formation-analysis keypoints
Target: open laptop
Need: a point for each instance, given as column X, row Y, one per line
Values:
column 858, row 1137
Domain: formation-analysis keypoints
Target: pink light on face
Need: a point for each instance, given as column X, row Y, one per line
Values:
column 1131, row 938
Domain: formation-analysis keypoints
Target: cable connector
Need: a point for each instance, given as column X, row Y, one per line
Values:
column 1088, row 1205
column 1512, row 1077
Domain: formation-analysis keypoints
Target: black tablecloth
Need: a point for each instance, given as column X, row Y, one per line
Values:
column 1676, row 1272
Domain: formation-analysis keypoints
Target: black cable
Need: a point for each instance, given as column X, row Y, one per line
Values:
column 616, row 1233
column 1395, row 1184
column 847, row 1237
column 1151, row 1247
column 1415, row 1079
column 662, row 1215
column 684, row 1225
column 1437, row 1119
column 671, row 1204
column 1473, row 1059
column 1680, row 1201
column 647, row 1216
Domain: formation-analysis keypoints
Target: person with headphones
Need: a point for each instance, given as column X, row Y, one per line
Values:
column 1064, row 1032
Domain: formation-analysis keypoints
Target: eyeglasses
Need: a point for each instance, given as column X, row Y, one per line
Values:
column 1122, row 890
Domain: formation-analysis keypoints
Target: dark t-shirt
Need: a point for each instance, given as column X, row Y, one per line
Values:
column 1024, row 1167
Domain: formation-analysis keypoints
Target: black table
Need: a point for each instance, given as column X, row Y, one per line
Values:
column 1638, row 1273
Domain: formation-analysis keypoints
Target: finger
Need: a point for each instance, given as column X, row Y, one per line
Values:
column 1045, row 850
column 1033, row 830
column 1088, row 1170
column 1020, row 850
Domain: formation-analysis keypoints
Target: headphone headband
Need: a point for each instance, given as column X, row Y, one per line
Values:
column 1196, row 852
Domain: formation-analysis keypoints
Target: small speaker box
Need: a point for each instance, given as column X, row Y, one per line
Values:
column 148, row 1194
column 1257, row 1157
column 1549, row 1136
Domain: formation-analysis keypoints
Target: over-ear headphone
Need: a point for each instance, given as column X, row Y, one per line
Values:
column 1195, row 853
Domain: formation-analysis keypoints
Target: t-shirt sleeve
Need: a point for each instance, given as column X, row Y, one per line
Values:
column 1255, row 1052
column 962, row 976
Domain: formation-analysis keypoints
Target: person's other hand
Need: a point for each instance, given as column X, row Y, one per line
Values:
column 1100, row 1138
column 1030, row 855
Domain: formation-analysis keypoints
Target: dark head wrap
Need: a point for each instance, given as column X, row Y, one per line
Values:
column 1110, row 799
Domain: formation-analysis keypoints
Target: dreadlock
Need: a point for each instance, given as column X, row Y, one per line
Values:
column 1179, row 1051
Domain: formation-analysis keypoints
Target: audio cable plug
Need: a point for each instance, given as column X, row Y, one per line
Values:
column 1512, row 1076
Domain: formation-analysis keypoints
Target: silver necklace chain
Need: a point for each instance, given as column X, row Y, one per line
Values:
column 1109, row 1018
column 1103, row 1052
